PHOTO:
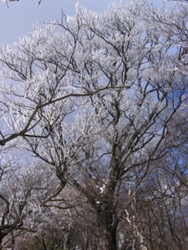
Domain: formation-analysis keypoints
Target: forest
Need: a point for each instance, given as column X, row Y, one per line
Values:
column 94, row 132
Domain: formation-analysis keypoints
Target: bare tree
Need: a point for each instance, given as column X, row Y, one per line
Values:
column 21, row 193
column 101, row 99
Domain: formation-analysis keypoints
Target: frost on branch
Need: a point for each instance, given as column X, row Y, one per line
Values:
column 6, row 1
column 101, row 101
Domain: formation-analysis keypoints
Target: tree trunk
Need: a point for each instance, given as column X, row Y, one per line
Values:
column 107, row 229
column 107, row 239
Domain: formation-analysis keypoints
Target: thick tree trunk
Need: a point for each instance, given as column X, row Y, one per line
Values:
column 107, row 229
column 107, row 239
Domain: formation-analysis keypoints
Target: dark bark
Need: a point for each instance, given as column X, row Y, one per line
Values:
column 107, row 224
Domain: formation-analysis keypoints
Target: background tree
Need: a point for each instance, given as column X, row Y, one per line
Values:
column 21, row 193
column 101, row 99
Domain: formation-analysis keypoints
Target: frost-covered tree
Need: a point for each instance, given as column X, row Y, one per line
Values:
column 101, row 99
column 21, row 193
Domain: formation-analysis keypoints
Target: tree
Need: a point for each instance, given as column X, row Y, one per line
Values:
column 22, row 190
column 161, row 209
column 102, row 100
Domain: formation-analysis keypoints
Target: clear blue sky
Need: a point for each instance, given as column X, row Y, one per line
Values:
column 20, row 18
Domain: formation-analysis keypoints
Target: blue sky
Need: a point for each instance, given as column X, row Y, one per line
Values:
column 21, row 17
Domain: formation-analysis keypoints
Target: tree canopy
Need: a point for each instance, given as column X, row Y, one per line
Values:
column 101, row 100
